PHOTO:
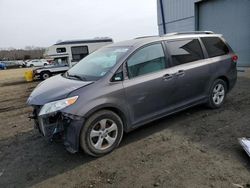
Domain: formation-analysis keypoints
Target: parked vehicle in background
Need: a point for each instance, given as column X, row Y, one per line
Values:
column 68, row 51
column 71, row 52
column 21, row 63
column 50, row 70
column 13, row 64
column 36, row 63
column 2, row 66
column 123, row 86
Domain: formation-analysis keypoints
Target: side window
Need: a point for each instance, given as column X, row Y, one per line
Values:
column 185, row 51
column 146, row 60
column 215, row 46
column 79, row 52
column 61, row 50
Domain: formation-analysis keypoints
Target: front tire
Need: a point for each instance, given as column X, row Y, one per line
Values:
column 217, row 94
column 101, row 133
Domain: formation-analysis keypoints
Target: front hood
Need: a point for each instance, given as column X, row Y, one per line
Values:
column 54, row 88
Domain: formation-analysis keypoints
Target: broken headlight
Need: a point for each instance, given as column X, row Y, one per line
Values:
column 57, row 105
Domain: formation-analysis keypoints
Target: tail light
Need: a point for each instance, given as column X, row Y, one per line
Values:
column 235, row 58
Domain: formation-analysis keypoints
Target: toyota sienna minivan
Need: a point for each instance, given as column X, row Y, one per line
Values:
column 125, row 85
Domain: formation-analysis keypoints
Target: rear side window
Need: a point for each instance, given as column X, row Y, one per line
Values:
column 185, row 51
column 146, row 60
column 215, row 46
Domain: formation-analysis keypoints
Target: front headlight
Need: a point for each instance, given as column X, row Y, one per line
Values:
column 57, row 105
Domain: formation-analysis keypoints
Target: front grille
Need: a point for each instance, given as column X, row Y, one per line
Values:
column 51, row 124
column 47, row 124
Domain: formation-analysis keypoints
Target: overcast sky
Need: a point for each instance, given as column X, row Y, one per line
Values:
column 43, row 22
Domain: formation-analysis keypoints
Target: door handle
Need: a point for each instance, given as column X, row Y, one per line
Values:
column 167, row 77
column 180, row 73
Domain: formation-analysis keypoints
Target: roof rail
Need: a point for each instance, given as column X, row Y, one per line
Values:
column 146, row 37
column 189, row 33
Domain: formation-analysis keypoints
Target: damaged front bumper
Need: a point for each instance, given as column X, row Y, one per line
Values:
column 67, row 126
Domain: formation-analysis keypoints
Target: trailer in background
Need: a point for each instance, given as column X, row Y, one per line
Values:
column 65, row 54
column 71, row 52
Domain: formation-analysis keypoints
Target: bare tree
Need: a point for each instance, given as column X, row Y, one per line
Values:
column 30, row 52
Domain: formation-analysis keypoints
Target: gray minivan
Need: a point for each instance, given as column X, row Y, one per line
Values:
column 127, row 84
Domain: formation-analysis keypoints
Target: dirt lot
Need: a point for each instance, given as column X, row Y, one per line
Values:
column 194, row 148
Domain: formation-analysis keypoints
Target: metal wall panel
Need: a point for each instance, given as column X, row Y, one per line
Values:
column 181, row 25
column 178, row 9
column 179, row 15
column 230, row 18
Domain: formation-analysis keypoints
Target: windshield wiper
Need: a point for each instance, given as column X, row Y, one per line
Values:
column 76, row 76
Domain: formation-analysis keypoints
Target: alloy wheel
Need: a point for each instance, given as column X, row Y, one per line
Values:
column 103, row 134
column 218, row 94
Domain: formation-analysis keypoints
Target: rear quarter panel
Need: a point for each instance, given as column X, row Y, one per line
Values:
column 223, row 66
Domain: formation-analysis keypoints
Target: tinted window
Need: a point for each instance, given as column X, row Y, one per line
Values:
column 79, row 52
column 184, row 51
column 215, row 46
column 146, row 60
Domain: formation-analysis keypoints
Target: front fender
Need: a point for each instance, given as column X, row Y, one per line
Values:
column 116, row 105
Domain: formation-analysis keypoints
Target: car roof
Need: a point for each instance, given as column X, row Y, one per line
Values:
column 96, row 40
column 171, row 36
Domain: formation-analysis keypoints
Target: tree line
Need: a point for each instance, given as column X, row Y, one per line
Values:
column 22, row 54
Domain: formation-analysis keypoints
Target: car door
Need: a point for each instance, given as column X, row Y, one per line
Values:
column 149, row 86
column 40, row 63
column 35, row 63
column 191, row 71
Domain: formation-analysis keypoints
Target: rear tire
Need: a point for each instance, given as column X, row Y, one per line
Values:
column 101, row 133
column 45, row 75
column 217, row 94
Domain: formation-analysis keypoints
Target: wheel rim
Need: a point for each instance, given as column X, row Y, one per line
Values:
column 45, row 76
column 218, row 94
column 103, row 134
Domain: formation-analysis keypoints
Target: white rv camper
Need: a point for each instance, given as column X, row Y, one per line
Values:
column 71, row 52
column 67, row 53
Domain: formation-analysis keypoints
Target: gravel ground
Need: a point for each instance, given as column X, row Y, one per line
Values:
column 194, row 148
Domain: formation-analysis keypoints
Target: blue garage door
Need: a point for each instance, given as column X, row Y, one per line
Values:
column 230, row 18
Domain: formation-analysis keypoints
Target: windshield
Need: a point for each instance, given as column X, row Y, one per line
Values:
column 97, row 64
